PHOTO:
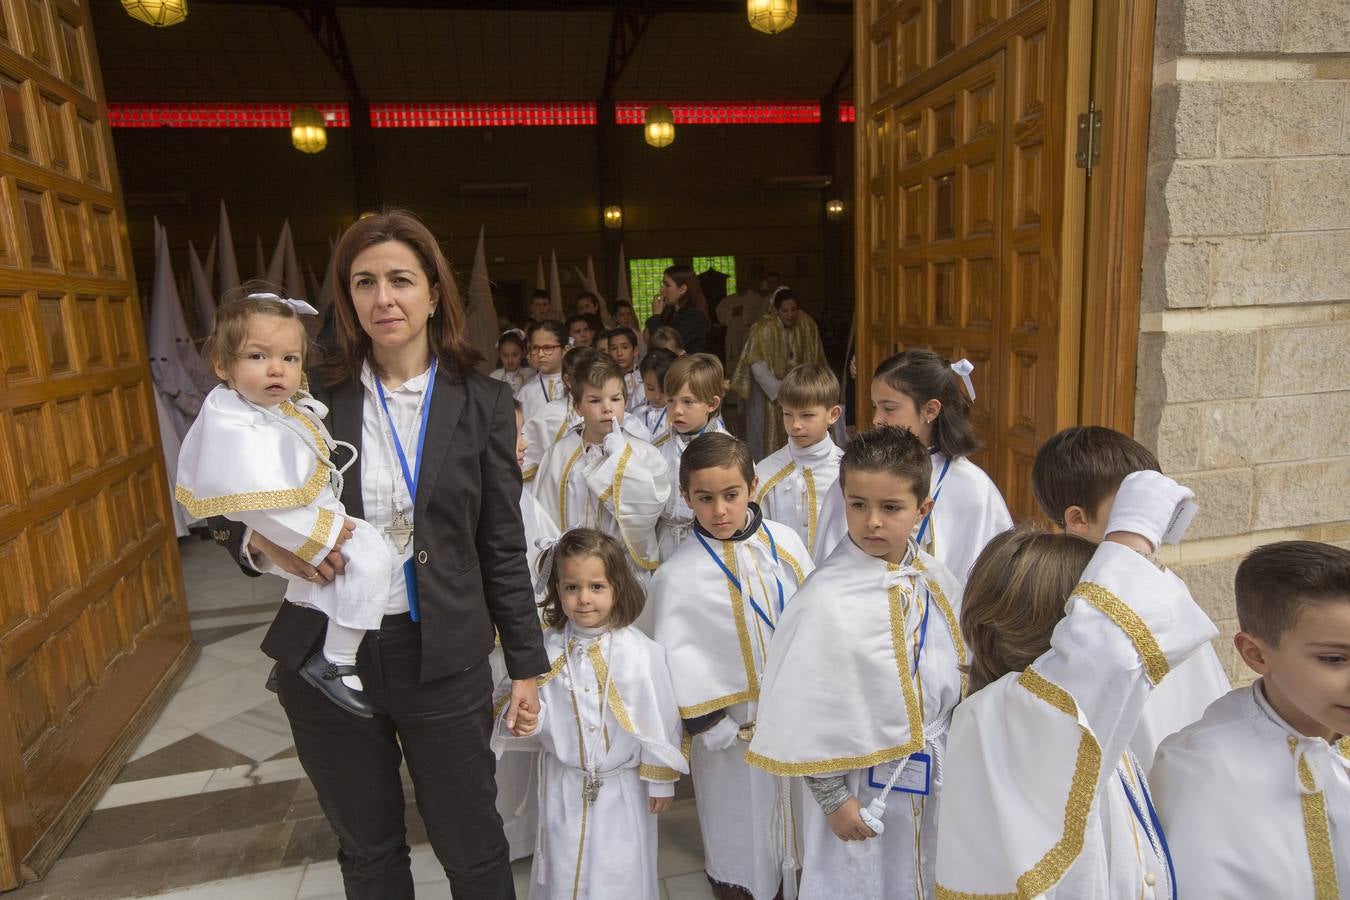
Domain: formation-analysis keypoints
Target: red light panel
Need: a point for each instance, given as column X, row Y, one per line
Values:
column 730, row 113
column 847, row 112
column 480, row 115
column 218, row 115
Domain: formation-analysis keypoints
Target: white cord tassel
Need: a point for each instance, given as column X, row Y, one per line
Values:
column 789, row 839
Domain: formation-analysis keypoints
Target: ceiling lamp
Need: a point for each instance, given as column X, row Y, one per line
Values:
column 771, row 16
column 834, row 209
column 158, row 13
column 658, row 125
column 613, row 217
column 308, row 132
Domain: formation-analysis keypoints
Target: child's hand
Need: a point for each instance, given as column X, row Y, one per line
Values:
column 348, row 529
column 614, row 441
column 847, row 825
column 659, row 805
column 1146, row 505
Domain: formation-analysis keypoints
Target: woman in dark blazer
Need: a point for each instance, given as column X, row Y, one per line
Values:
column 681, row 305
column 426, row 671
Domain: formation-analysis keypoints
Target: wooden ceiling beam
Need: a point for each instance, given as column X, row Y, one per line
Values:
column 805, row 7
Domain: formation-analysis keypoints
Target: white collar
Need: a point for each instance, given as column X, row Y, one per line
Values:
column 813, row 455
column 417, row 384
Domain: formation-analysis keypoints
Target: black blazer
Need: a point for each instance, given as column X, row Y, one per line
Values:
column 468, row 542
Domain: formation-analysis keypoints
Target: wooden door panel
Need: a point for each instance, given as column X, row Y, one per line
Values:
column 93, row 625
column 964, row 201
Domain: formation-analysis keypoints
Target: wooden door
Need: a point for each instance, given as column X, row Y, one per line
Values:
column 969, row 233
column 93, row 623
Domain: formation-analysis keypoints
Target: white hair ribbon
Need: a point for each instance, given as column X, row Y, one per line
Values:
column 516, row 331
column 300, row 307
column 963, row 368
column 546, row 546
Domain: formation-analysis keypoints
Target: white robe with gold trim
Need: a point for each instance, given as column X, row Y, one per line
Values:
column 677, row 519
column 622, row 495
column 717, row 645
column 269, row 469
column 539, row 390
column 841, row 695
column 547, row 426
column 793, row 483
column 1034, row 803
column 1253, row 808
column 606, row 849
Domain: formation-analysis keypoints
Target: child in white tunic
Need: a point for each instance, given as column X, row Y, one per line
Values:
column 511, row 359
column 599, row 476
column 259, row 453
column 795, row 479
column 693, row 389
column 921, row 391
column 546, row 343
column 1043, row 797
column 1075, row 478
column 621, row 344
column 863, row 674
column 609, row 731
column 653, row 369
column 717, row 601
column 1255, row 796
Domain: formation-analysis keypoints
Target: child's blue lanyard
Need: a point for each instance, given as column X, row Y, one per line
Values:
column 410, row 477
column 1157, row 826
column 924, row 526
column 659, row 419
column 923, row 631
column 543, row 387
column 736, row 582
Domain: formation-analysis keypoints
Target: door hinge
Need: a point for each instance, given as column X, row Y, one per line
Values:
column 1089, row 138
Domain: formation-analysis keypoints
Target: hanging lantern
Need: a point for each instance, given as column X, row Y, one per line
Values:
column 613, row 217
column 834, row 210
column 158, row 13
column 658, row 125
column 308, row 133
column 771, row 16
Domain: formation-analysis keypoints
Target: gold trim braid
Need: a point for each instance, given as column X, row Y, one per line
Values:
column 773, row 481
column 318, row 538
column 1317, row 832
column 647, row 564
column 657, row 773
column 1115, row 609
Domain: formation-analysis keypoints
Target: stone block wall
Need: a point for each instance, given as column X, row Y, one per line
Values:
column 1244, row 348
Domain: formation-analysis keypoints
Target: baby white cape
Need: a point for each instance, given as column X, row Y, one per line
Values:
column 269, row 468
column 1253, row 808
column 1032, row 803
column 706, row 624
column 843, row 651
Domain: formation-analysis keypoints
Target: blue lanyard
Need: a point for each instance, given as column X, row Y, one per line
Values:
column 543, row 387
column 736, row 582
column 1157, row 826
column 923, row 528
column 923, row 631
column 659, row 419
column 410, row 476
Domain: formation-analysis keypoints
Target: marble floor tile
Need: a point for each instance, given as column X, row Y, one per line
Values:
column 242, row 648
column 311, row 841
column 320, row 879
column 679, row 845
column 255, row 774
column 206, row 668
column 207, row 636
column 193, row 753
column 691, row 886
column 279, row 885
column 220, row 699
column 161, row 734
column 148, row 790
column 258, row 733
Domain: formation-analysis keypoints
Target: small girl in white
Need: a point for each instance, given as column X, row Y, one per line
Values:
column 511, row 357
column 609, row 684
column 258, row 453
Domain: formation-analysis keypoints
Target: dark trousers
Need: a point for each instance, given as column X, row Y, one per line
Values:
column 443, row 728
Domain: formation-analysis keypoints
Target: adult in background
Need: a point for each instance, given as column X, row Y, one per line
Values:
column 782, row 339
column 401, row 368
column 680, row 304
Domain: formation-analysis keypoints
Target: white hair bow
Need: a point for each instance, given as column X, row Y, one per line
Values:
column 546, row 546
column 963, row 368
column 300, row 307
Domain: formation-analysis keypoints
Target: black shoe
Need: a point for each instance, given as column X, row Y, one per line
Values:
column 273, row 682
column 327, row 679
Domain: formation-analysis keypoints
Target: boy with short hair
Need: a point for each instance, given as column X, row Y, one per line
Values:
column 693, row 386
column 579, row 330
column 621, row 344
column 1255, row 797
column 1074, row 479
column 716, row 603
column 795, row 479
column 863, row 675
column 652, row 371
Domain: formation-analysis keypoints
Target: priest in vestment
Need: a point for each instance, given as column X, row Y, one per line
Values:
column 783, row 339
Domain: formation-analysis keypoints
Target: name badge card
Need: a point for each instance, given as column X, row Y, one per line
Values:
column 916, row 778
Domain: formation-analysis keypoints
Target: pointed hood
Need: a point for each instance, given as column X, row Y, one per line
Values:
column 328, row 290
column 555, row 287
column 201, row 292
column 209, row 266
column 175, row 365
column 540, row 282
column 229, row 267
column 276, row 269
column 259, row 260
column 481, row 312
column 311, row 285
column 291, row 277
column 593, row 285
column 621, row 290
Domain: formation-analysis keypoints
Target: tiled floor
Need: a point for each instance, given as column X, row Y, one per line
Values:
column 213, row 803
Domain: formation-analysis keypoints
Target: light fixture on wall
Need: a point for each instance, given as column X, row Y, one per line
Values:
column 159, row 13
column 771, row 16
column 658, row 125
column 834, row 209
column 613, row 217
column 308, row 132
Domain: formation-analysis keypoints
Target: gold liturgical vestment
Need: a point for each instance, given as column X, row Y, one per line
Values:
column 781, row 349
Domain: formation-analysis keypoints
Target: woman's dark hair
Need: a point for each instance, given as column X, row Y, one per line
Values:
column 684, row 277
column 922, row 375
column 446, row 334
column 581, row 542
column 783, row 295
